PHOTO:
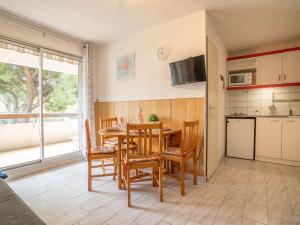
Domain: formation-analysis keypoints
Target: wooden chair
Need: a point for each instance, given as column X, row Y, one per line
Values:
column 106, row 123
column 143, row 157
column 187, row 150
column 99, row 153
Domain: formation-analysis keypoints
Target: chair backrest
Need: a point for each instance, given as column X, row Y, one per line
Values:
column 190, row 137
column 108, row 122
column 88, row 137
column 144, row 135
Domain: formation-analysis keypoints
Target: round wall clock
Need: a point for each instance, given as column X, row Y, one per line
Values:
column 162, row 53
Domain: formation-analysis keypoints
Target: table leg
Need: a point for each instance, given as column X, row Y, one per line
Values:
column 119, row 163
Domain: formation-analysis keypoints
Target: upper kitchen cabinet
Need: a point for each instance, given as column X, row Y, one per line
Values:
column 241, row 64
column 291, row 66
column 269, row 69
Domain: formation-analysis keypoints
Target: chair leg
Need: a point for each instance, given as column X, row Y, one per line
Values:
column 182, row 184
column 128, row 187
column 194, row 168
column 102, row 165
column 115, row 167
column 89, row 175
column 124, row 176
column 170, row 167
column 153, row 177
column 160, row 177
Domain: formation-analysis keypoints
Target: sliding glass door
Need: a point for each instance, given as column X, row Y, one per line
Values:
column 60, row 104
column 19, row 104
column 38, row 104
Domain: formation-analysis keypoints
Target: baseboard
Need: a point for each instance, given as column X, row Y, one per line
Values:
column 279, row 161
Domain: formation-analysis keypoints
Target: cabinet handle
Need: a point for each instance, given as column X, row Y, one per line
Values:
column 290, row 121
column 275, row 121
column 279, row 77
column 284, row 77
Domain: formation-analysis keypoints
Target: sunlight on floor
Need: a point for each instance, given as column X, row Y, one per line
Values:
column 14, row 157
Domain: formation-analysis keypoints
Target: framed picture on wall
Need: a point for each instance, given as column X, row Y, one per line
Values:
column 125, row 67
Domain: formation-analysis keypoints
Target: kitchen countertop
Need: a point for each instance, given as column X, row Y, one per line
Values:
column 255, row 116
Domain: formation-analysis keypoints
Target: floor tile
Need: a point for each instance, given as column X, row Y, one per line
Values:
column 246, row 221
column 274, row 221
column 256, row 212
column 230, row 214
column 258, row 198
column 278, row 196
column 281, row 211
column 235, row 199
column 205, row 214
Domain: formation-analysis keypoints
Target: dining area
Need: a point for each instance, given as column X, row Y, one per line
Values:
column 138, row 151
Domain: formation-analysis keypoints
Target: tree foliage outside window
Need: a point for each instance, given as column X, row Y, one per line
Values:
column 19, row 89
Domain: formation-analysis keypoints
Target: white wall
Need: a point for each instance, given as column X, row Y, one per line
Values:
column 214, row 36
column 12, row 28
column 183, row 38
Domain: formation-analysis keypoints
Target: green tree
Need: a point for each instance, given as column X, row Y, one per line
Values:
column 19, row 89
column 64, row 94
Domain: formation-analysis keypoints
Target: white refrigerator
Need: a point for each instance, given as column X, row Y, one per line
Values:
column 240, row 140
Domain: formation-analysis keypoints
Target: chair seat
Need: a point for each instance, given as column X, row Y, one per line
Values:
column 132, row 147
column 103, row 150
column 111, row 141
column 172, row 151
column 145, row 159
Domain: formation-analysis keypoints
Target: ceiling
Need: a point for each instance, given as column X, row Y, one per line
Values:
column 241, row 23
column 249, row 24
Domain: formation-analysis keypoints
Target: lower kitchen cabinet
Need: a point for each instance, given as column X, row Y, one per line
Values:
column 278, row 139
column 291, row 139
column 268, row 137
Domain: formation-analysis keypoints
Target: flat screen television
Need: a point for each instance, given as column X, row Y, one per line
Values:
column 189, row 70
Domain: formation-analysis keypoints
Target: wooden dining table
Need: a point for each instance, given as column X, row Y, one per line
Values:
column 121, row 135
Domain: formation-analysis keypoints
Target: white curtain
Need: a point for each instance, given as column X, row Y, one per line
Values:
column 86, row 99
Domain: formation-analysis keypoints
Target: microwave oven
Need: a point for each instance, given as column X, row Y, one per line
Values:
column 241, row 79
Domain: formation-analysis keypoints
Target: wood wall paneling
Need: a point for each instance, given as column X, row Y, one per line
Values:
column 172, row 112
column 187, row 110
column 133, row 111
column 160, row 107
column 121, row 110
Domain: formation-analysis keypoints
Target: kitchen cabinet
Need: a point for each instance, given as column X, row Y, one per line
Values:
column 269, row 69
column 290, row 139
column 291, row 67
column 268, row 137
column 278, row 68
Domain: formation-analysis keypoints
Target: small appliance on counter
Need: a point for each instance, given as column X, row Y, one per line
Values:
column 240, row 137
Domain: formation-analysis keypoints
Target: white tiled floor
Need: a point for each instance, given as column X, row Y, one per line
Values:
column 240, row 192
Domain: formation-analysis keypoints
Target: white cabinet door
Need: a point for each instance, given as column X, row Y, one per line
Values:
column 291, row 139
column 269, row 69
column 268, row 137
column 240, row 138
column 291, row 67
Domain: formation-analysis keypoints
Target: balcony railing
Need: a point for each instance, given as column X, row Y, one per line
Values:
column 34, row 115
column 20, row 136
